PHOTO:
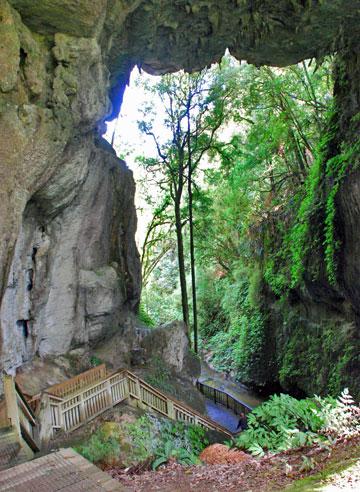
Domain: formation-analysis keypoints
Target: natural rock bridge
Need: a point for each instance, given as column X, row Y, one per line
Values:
column 69, row 269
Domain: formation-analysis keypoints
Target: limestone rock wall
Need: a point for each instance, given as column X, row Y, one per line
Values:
column 69, row 270
column 69, row 267
column 75, row 275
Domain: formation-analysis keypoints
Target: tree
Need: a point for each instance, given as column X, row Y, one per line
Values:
column 195, row 108
column 248, row 206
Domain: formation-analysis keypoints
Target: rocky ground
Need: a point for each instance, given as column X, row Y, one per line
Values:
column 304, row 469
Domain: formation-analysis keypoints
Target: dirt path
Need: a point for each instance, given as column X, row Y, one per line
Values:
column 348, row 480
column 265, row 475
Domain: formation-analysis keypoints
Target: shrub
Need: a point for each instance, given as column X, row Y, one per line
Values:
column 342, row 418
column 283, row 422
column 100, row 447
column 182, row 456
column 158, row 438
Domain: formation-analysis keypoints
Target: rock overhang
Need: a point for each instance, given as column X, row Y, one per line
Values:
column 165, row 36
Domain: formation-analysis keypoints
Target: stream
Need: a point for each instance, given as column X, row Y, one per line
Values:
column 218, row 412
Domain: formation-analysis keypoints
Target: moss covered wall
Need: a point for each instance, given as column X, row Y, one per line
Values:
column 64, row 66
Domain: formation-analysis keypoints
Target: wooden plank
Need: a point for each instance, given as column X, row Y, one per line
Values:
column 78, row 382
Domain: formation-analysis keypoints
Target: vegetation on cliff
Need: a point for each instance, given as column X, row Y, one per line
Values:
column 259, row 222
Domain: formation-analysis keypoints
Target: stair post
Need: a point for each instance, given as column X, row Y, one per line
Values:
column 138, row 393
column 127, row 388
column 12, row 410
column 170, row 409
column 109, row 397
column 82, row 408
column 45, row 420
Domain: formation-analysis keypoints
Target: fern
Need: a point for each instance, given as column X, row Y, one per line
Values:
column 283, row 422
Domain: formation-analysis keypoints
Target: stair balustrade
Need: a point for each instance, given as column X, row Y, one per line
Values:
column 224, row 398
column 73, row 403
column 19, row 417
column 88, row 402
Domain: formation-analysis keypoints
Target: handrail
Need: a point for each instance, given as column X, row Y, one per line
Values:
column 25, row 403
column 182, row 406
column 79, row 407
column 225, row 399
column 25, row 406
column 20, row 415
column 73, row 403
column 148, row 386
column 78, row 382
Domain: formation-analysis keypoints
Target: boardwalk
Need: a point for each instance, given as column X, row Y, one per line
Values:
column 64, row 471
column 222, row 415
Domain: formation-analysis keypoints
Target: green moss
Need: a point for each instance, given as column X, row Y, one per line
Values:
column 316, row 482
column 300, row 238
column 318, row 358
column 336, row 170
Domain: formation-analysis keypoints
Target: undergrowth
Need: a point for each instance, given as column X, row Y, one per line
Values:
column 283, row 423
column 147, row 438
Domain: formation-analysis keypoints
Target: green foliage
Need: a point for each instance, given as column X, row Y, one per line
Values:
column 161, row 297
column 320, row 190
column 316, row 357
column 145, row 317
column 342, row 419
column 159, row 438
column 265, row 221
column 234, row 326
column 283, row 423
column 181, row 455
column 336, row 169
column 260, row 210
column 148, row 437
column 100, row 447
column 300, row 233
column 95, row 361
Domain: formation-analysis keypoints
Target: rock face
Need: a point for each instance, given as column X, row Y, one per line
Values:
column 170, row 344
column 75, row 270
column 69, row 270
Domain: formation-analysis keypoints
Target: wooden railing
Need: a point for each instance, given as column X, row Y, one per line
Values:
column 148, row 396
column 20, row 416
column 80, row 407
column 224, row 398
column 78, row 382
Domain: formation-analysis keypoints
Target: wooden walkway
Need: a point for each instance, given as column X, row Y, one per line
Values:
column 64, row 407
column 71, row 404
column 64, row 471
column 224, row 398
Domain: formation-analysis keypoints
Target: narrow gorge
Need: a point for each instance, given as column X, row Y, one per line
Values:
column 69, row 267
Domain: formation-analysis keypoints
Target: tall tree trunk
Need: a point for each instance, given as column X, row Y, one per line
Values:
column 192, row 262
column 181, row 261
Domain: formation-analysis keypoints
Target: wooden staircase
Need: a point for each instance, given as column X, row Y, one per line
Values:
column 69, row 405
column 11, row 452
column 19, row 437
column 25, row 424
